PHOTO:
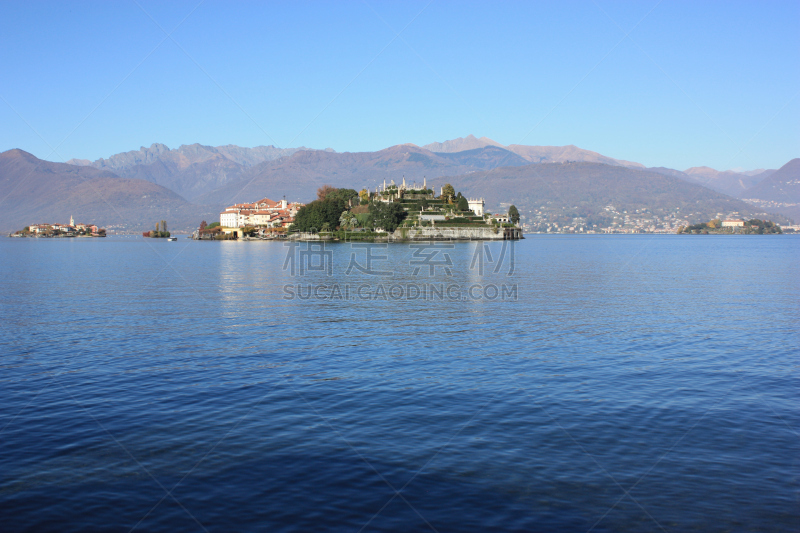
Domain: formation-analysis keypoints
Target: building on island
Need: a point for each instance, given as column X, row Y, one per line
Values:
column 391, row 191
column 734, row 223
column 264, row 213
column 476, row 205
column 69, row 230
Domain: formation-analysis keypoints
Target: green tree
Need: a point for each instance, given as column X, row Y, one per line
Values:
column 317, row 213
column 342, row 194
column 387, row 215
column 364, row 220
column 463, row 205
column 348, row 220
column 513, row 214
column 448, row 192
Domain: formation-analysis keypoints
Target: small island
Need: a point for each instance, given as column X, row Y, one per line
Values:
column 60, row 230
column 159, row 233
column 731, row 227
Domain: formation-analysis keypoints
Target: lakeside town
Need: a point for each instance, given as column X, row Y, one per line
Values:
column 612, row 220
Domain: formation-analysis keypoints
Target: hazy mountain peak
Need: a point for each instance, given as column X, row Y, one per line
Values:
column 470, row 142
column 701, row 171
column 17, row 153
column 755, row 172
column 534, row 154
column 156, row 147
column 562, row 154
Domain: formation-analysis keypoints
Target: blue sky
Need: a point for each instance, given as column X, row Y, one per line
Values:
column 692, row 83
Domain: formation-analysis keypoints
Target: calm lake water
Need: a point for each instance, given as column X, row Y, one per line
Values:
column 604, row 383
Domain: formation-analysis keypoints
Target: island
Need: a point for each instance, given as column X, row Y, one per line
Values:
column 159, row 233
column 60, row 230
column 391, row 213
column 731, row 227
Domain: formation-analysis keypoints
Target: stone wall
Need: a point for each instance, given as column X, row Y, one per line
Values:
column 475, row 233
column 449, row 234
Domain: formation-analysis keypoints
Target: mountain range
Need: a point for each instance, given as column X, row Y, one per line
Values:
column 190, row 170
column 194, row 182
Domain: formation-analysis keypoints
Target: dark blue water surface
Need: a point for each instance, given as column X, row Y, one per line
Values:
column 634, row 384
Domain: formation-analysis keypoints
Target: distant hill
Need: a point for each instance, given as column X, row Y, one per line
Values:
column 780, row 190
column 783, row 185
column 588, row 187
column 36, row 191
column 190, row 170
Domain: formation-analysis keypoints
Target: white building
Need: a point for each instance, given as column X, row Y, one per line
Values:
column 261, row 218
column 476, row 205
column 263, row 213
column 736, row 223
column 229, row 219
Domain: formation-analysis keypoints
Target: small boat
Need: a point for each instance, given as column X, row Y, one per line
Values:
column 172, row 238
